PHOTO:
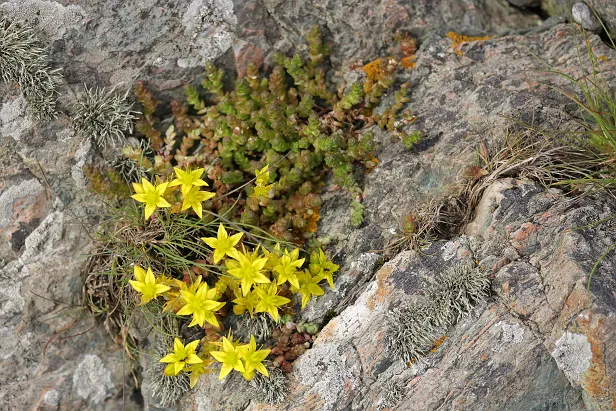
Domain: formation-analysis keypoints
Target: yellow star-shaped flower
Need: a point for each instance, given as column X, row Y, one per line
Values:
column 248, row 269
column 181, row 356
column 273, row 257
column 197, row 370
column 230, row 357
column 322, row 267
column 151, row 195
column 308, row 286
column 149, row 286
column 253, row 359
column 263, row 191
column 188, row 179
column 269, row 300
column 248, row 303
column 262, row 176
column 287, row 267
column 223, row 244
column 193, row 199
column 201, row 304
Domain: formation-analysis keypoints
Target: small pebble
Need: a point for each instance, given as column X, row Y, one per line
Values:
column 584, row 16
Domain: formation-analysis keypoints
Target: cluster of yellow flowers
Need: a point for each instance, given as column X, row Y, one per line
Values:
column 244, row 358
column 262, row 190
column 189, row 181
column 252, row 280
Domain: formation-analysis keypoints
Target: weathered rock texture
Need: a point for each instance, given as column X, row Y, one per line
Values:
column 541, row 342
column 605, row 9
column 516, row 351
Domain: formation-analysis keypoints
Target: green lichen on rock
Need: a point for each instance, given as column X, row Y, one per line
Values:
column 393, row 392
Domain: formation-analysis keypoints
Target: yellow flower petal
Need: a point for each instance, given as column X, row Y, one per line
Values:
column 139, row 273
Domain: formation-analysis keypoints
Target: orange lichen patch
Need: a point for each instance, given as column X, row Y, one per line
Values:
column 460, row 40
column 520, row 237
column 602, row 58
column 438, row 343
column 577, row 301
column 311, row 226
column 382, row 290
column 373, row 69
column 408, row 62
column 596, row 381
column 377, row 71
column 329, row 330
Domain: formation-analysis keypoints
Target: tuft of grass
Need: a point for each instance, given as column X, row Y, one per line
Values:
column 170, row 244
column 434, row 220
column 103, row 115
column 589, row 153
column 414, row 329
column 595, row 140
column 25, row 61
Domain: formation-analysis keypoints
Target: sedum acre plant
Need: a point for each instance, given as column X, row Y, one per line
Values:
column 210, row 210
column 206, row 277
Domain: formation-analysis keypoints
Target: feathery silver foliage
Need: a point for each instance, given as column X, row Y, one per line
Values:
column 103, row 115
column 25, row 61
column 128, row 169
column 271, row 390
column 165, row 390
column 393, row 392
column 260, row 325
column 413, row 329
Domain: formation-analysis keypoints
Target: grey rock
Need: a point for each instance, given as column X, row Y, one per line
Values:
column 92, row 380
column 573, row 355
column 459, row 101
column 52, row 398
column 13, row 118
column 583, row 15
